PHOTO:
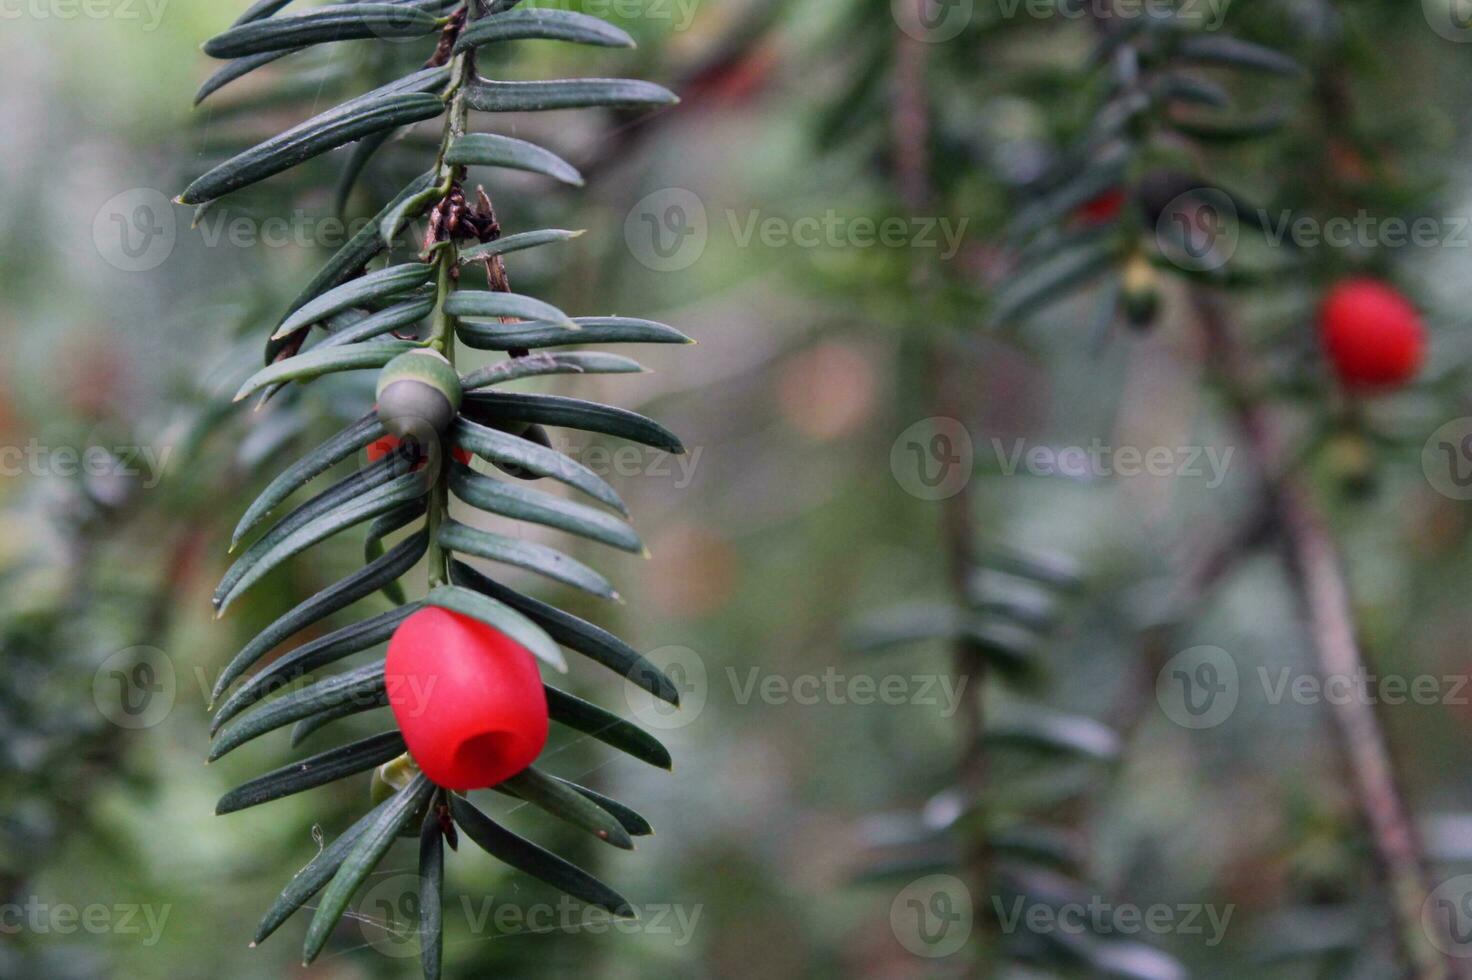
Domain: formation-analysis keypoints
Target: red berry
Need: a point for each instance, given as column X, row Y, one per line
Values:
column 380, row 448
column 468, row 699
column 1104, row 208
column 1373, row 336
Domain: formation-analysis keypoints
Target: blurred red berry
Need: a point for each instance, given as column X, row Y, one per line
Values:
column 380, row 448
column 1372, row 334
column 1104, row 208
column 468, row 699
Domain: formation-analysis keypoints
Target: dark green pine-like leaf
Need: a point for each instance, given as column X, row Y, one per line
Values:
column 515, row 243
column 529, row 555
column 566, row 803
column 508, row 450
column 357, row 687
column 341, row 22
column 537, row 365
column 490, row 150
column 359, row 157
column 591, row 330
column 361, row 291
column 395, row 317
column 260, row 10
column 316, row 874
column 310, row 656
column 606, row 727
column 543, row 25
column 326, row 360
column 361, row 859
column 1192, row 91
column 370, row 701
column 238, row 68
column 528, row 858
column 319, row 770
column 915, row 622
column 1128, row 960
column 1063, row 734
column 396, row 218
column 593, row 642
column 1042, row 846
column 480, row 303
column 524, row 504
column 397, row 104
column 1222, row 51
column 1010, row 647
column 1230, row 130
column 341, row 594
column 431, row 893
column 485, row 95
column 494, row 407
column 1055, row 571
column 343, row 491
column 396, row 519
column 340, row 493
column 303, row 471
column 347, row 261
column 1053, row 280
column 499, row 616
column 256, row 562
column 630, row 820
column 1095, row 178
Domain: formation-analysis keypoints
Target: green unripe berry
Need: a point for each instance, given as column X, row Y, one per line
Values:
column 418, row 388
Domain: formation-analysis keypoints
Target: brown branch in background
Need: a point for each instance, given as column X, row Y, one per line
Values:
column 910, row 132
column 1318, row 578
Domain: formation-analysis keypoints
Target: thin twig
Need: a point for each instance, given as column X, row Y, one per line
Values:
column 1318, row 577
column 910, row 132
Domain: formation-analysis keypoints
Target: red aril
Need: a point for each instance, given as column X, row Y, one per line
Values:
column 468, row 699
column 380, row 448
column 1104, row 208
column 1372, row 335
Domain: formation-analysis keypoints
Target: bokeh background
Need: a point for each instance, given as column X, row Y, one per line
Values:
column 797, row 814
